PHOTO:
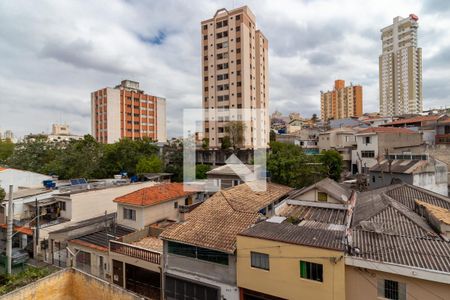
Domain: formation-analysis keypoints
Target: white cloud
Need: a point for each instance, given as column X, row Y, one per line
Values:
column 54, row 53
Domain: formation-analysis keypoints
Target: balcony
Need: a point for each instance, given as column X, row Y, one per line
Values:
column 135, row 252
column 443, row 138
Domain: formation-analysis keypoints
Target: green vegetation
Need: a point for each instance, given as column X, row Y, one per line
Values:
column 235, row 131
column 152, row 164
column 332, row 163
column 289, row 165
column 27, row 276
column 80, row 158
column 226, row 143
column 6, row 150
column 200, row 171
column 2, row 194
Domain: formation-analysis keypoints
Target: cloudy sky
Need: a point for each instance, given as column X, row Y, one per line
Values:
column 54, row 53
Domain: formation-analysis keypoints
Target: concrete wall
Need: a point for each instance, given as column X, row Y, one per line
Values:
column 70, row 284
column 362, row 284
column 283, row 278
column 96, row 269
column 113, row 115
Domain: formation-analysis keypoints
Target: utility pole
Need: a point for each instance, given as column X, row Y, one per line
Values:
column 9, row 231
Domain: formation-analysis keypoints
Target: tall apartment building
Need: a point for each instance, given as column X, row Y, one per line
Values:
column 235, row 77
column 125, row 111
column 401, row 68
column 342, row 102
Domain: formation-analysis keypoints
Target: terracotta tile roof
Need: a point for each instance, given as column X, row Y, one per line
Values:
column 21, row 229
column 154, row 195
column 440, row 213
column 413, row 120
column 150, row 242
column 387, row 130
column 216, row 223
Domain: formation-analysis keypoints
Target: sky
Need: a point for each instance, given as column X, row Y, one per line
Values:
column 53, row 54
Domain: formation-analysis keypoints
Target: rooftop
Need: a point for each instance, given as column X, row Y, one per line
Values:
column 439, row 213
column 404, row 166
column 386, row 228
column 328, row 186
column 312, row 213
column 388, row 130
column 151, row 243
column 154, row 195
column 99, row 240
column 216, row 222
column 414, row 120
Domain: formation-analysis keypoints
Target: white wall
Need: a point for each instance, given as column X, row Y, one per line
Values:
column 20, row 178
column 362, row 146
column 161, row 134
column 113, row 115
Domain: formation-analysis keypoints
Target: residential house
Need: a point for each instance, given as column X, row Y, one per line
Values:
column 294, row 125
column 395, row 249
column 419, row 170
column 341, row 139
column 81, row 210
column 346, row 122
column 300, row 250
column 151, row 204
column 200, row 253
column 233, row 174
column 373, row 143
column 426, row 125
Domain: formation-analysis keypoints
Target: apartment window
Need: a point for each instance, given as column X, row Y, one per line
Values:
column 389, row 289
column 205, row 57
column 175, row 205
column 222, row 55
column 238, row 73
column 206, row 78
column 205, row 27
column 205, row 47
column 259, row 260
column 62, row 205
column 238, row 83
column 238, row 17
column 239, row 95
column 222, row 34
column 368, row 154
column 238, row 50
column 238, row 28
column 205, row 68
column 322, row 197
column 238, row 40
column 129, row 214
column 311, row 271
column 238, row 61
column 222, row 45
column 205, row 37
column 367, row 140
column 222, row 77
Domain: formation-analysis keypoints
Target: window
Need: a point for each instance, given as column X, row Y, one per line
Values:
column 368, row 154
column 389, row 289
column 238, row 61
column 259, row 260
column 322, row 197
column 367, row 140
column 238, row 50
column 238, row 17
column 62, row 205
column 238, row 40
column 175, row 205
column 129, row 214
column 198, row 253
column 238, row 28
column 205, row 27
column 205, row 37
column 311, row 271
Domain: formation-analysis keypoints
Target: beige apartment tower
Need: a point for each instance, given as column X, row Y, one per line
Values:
column 400, row 68
column 342, row 102
column 125, row 111
column 235, row 77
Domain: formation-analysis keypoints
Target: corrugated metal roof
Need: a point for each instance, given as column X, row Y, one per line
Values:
column 411, row 251
column 318, row 214
column 407, row 194
column 101, row 238
column 295, row 234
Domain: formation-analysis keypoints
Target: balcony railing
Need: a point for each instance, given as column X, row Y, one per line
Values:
column 135, row 252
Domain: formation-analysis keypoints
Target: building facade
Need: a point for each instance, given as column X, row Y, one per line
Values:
column 125, row 111
column 235, row 77
column 400, row 67
column 342, row 102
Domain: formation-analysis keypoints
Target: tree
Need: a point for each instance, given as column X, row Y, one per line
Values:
column 273, row 136
column 152, row 164
column 2, row 194
column 314, row 118
column 6, row 150
column 332, row 164
column 200, row 171
column 226, row 142
column 173, row 158
column 205, row 143
column 289, row 165
column 235, row 130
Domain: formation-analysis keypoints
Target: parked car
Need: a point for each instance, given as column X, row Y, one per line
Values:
column 19, row 256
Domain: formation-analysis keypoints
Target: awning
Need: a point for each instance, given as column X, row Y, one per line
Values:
column 21, row 229
column 43, row 202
